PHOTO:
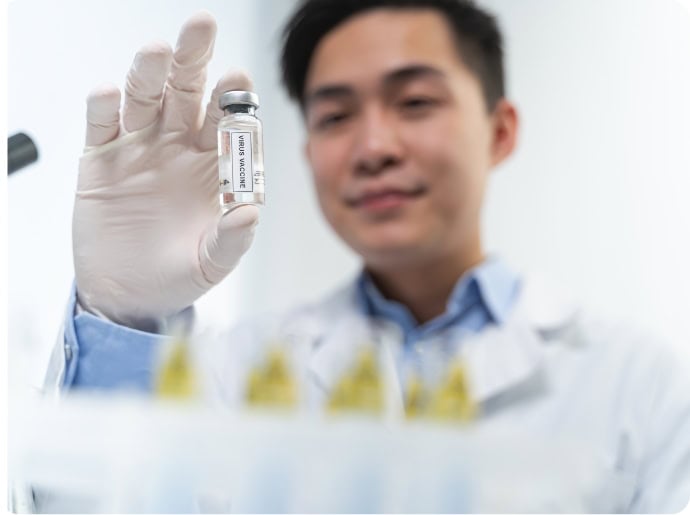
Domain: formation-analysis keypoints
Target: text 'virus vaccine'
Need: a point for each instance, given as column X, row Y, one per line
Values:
column 240, row 150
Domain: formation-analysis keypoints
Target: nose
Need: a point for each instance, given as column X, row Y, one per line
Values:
column 377, row 146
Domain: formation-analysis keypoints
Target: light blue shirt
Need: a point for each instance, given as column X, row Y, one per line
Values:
column 482, row 296
column 103, row 355
column 100, row 354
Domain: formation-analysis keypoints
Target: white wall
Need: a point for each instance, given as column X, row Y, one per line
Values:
column 595, row 196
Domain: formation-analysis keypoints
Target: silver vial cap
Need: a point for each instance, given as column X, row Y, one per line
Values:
column 238, row 97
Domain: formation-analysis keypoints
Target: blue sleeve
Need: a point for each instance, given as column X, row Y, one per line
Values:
column 100, row 354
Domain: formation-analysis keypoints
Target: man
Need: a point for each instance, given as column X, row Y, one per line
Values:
column 406, row 115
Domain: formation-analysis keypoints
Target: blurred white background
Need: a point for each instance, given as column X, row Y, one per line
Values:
column 595, row 198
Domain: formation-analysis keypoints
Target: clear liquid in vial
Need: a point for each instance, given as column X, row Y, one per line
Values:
column 240, row 160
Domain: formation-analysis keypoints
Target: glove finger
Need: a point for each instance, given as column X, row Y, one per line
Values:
column 181, row 104
column 225, row 244
column 144, row 86
column 231, row 80
column 102, row 115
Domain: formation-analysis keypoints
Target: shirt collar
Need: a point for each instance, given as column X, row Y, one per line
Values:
column 498, row 287
column 491, row 285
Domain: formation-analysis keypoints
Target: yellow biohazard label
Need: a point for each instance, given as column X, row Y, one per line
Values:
column 272, row 383
column 452, row 399
column 177, row 376
column 360, row 389
column 416, row 398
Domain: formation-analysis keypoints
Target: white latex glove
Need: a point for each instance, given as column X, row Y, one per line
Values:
column 148, row 235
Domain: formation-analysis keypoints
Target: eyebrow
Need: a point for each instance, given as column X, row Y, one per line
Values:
column 411, row 72
column 332, row 92
column 392, row 79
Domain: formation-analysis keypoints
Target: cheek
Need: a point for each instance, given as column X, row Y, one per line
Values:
column 436, row 148
column 328, row 160
column 452, row 157
column 323, row 162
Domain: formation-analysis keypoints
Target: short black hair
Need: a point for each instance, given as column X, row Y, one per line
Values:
column 478, row 37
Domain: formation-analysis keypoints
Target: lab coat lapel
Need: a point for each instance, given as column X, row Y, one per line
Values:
column 342, row 329
column 508, row 355
column 500, row 358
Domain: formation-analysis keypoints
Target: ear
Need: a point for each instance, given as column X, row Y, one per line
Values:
column 504, row 122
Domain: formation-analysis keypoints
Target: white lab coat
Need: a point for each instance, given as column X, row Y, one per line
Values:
column 549, row 371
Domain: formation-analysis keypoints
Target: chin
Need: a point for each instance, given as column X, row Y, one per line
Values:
column 392, row 253
column 391, row 242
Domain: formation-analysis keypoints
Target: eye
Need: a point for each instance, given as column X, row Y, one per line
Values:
column 417, row 104
column 331, row 120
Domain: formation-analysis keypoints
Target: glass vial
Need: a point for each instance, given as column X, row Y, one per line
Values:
column 240, row 150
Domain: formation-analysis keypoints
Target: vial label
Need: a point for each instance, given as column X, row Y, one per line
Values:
column 242, row 168
column 237, row 146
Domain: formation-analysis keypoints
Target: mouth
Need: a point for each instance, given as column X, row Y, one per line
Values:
column 384, row 200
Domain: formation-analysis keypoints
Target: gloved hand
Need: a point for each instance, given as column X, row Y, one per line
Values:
column 148, row 235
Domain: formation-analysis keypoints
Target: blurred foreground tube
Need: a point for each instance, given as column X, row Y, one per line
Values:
column 21, row 151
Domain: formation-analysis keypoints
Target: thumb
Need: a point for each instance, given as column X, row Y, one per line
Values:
column 224, row 244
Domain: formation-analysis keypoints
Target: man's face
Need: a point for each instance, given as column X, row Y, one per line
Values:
column 399, row 137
